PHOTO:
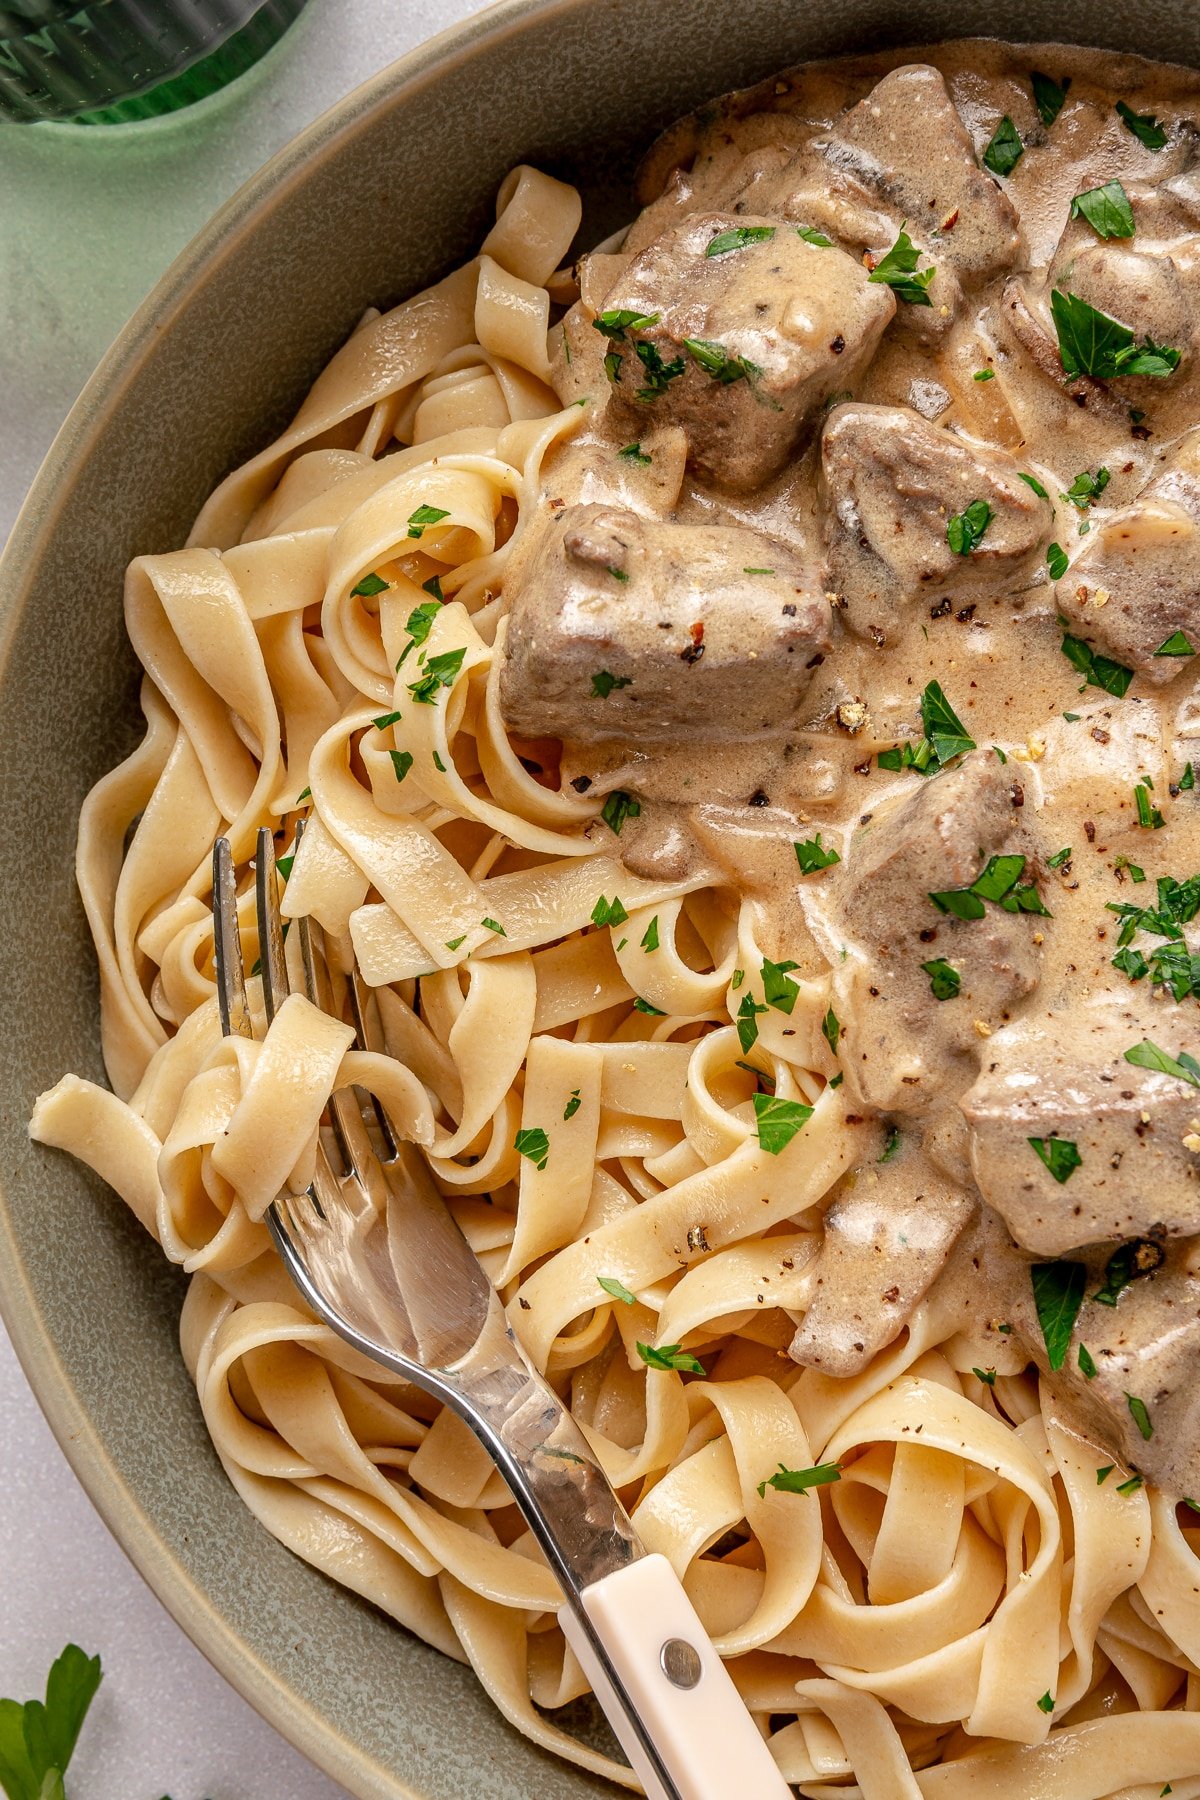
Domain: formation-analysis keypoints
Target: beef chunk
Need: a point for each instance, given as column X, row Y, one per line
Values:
column 1136, row 586
column 1063, row 1076
column 888, row 1233
column 902, row 1048
column 626, row 627
column 1145, row 1348
column 741, row 348
column 890, row 484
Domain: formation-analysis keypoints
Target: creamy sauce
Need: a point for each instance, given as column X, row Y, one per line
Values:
column 858, row 428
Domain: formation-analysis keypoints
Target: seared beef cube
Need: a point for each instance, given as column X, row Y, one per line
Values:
column 742, row 347
column 891, row 483
column 1145, row 1350
column 1116, row 1133
column 888, row 1233
column 1135, row 590
column 626, row 627
column 902, row 1047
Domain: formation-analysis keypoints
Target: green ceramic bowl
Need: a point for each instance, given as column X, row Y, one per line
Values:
column 382, row 195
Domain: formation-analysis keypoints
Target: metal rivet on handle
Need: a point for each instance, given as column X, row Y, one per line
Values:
column 680, row 1663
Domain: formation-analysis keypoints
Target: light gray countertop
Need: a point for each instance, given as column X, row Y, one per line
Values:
column 88, row 221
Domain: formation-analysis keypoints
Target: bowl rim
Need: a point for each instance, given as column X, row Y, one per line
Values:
column 77, row 1436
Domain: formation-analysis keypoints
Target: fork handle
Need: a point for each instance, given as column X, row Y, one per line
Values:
column 707, row 1741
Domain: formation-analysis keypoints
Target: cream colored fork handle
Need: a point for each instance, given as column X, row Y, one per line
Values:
column 693, row 1714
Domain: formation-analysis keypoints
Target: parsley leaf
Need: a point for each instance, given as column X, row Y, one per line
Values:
column 603, row 683
column 1046, row 1703
column 1176, row 645
column 1148, row 815
column 965, row 529
column 440, row 672
column 813, row 856
column 402, row 762
column 987, row 1376
column 1005, row 150
column 1147, row 1055
column 1087, row 1363
column 670, row 1356
column 737, row 237
column 1092, row 343
column 831, row 1029
column 645, row 1006
column 608, row 912
column 798, row 1481
column 533, row 1143
column 1145, row 127
column 659, row 374
column 1060, row 1156
column 635, row 454
column 1106, row 209
column 778, row 991
column 1048, row 96
column 716, row 361
column 747, row 1022
column 616, row 322
column 1057, row 1295
column 944, row 980
column 37, row 1739
column 433, row 587
column 1033, row 482
column 777, row 1121
column 1097, row 671
column 573, row 1105
column 1087, row 488
column 424, row 516
column 650, row 940
column 1131, row 1486
column 494, row 925
column 386, row 719
column 369, row 585
column 892, row 1145
column 943, row 727
column 897, row 271
column 811, row 235
column 1060, row 858
column 1056, row 562
column 1140, row 1415
column 617, row 808
column 418, row 625
column 616, row 1288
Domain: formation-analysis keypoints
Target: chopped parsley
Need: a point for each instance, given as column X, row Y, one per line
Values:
column 778, row 991
column 645, row 1006
column 1060, row 859
column 811, row 235
column 438, row 764
column 892, row 1145
column 1087, row 1363
column 433, row 587
column 1033, row 482
column 635, row 454
column 984, row 375
column 813, row 856
column 1176, row 645
column 1057, row 1295
column 369, row 585
column 1087, row 488
column 572, row 1106
column 616, row 322
column 670, row 1356
column 831, row 1029
column 1048, row 96
column 1092, row 343
column 737, row 238
column 658, row 374
column 650, row 940
column 617, row 808
column 1000, row 883
column 1126, row 1264
column 423, row 517
column 747, row 1022
column 386, row 719
column 1097, row 671
column 777, row 1121
column 616, row 1288
column 1145, row 127
column 1106, row 209
column 402, row 762
column 965, row 529
column 440, row 672
column 716, row 361
column 897, row 270
column 1103, row 1474
column 1060, row 1156
column 418, row 625
column 945, row 737
column 613, row 361
column 1131, row 1486
column 1140, row 1415
column 455, row 943
column 608, row 912
column 1187, row 780
column 533, row 1143
column 603, row 683
column 987, row 1376
column 1046, row 1703
column 798, row 1481
column 494, row 925
column 1005, row 150
column 944, row 980
column 1056, row 561
column 1147, row 1055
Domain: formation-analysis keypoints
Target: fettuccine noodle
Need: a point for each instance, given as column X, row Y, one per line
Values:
column 893, row 1631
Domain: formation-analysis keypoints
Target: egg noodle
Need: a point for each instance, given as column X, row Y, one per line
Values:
column 965, row 1610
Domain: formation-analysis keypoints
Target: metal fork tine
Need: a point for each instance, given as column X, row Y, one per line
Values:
column 368, row 1039
column 227, row 949
column 345, row 1110
column 275, row 984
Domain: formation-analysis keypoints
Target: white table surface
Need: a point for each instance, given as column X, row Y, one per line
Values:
column 88, row 221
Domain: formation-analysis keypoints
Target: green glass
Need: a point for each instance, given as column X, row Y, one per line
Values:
column 108, row 61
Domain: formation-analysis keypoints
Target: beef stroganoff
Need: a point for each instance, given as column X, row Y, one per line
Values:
column 740, row 694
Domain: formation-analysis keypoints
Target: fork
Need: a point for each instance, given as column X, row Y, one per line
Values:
column 376, row 1253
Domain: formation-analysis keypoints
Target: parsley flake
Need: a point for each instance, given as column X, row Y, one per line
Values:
column 1048, row 96
column 1098, row 671
column 737, row 238
column 778, row 991
column 650, row 940
column 1057, row 1295
column 1176, row 645
column 1033, row 482
column 440, row 672
column 608, row 912
column 1147, row 1055
column 1087, row 1363
column 1145, row 127
column 494, row 925
column 618, row 320
column 1106, row 209
column 1005, row 150
column 617, row 808
column 402, row 762
column 1060, row 1156
column 965, row 529
column 1092, row 343
column 616, row 1288
column 1140, row 1416
column 944, row 980
column 635, row 454
column 777, row 1121
column 603, row 683
column 811, row 235
column 670, row 1356
column 419, row 623
column 572, row 1106
column 831, row 1029
column 897, row 270
column 533, row 1143
column 423, row 517
column 1056, row 561
column 369, row 586
column 813, row 856
column 798, row 1481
